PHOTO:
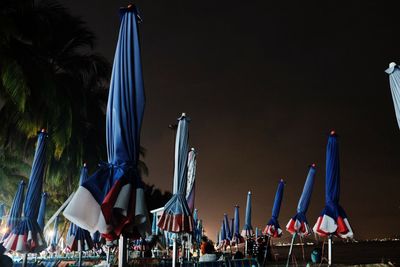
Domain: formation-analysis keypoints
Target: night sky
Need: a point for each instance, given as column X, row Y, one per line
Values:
column 264, row 83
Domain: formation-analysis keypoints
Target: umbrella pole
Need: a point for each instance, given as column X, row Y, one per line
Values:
column 25, row 260
column 291, row 249
column 266, row 251
column 122, row 253
column 330, row 250
column 108, row 255
column 174, row 252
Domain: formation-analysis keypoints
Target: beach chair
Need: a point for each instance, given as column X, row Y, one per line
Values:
column 50, row 262
column 212, row 264
column 244, row 263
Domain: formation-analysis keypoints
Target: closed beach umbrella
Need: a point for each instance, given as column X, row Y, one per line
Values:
column 333, row 219
column 223, row 239
column 191, row 180
column 14, row 216
column 228, row 234
column 394, row 79
column 27, row 236
column 273, row 229
column 177, row 217
column 42, row 211
column 247, row 228
column 236, row 237
column 79, row 239
column 113, row 198
column 298, row 224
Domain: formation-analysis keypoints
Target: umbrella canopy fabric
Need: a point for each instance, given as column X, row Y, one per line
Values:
column 273, row 229
column 199, row 234
column 191, row 179
column 154, row 228
column 298, row 224
column 14, row 216
column 394, row 80
column 177, row 217
column 55, row 236
column 112, row 199
column 27, row 236
column 333, row 219
column 228, row 234
column 79, row 239
column 236, row 237
column 42, row 211
column 223, row 240
column 248, row 228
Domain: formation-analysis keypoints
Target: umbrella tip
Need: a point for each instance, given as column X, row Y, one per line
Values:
column 84, row 164
column 333, row 132
column 282, row 181
column 392, row 64
column 192, row 149
column 183, row 114
column 43, row 130
column 313, row 165
column 249, row 193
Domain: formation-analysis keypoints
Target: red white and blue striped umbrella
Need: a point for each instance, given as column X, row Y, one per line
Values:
column 248, row 228
column 333, row 219
column 112, row 201
column 176, row 216
column 299, row 224
column 394, row 79
column 236, row 237
column 79, row 239
column 191, row 179
column 42, row 210
column 15, row 213
column 27, row 236
column 273, row 229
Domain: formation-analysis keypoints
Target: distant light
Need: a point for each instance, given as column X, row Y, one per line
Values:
column 4, row 230
column 50, row 233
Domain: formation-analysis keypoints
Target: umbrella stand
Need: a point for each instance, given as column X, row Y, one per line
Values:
column 266, row 251
column 330, row 250
column 291, row 249
column 122, row 251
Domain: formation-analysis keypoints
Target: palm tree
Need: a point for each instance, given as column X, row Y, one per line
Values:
column 51, row 78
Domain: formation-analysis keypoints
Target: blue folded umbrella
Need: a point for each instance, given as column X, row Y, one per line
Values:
column 27, row 236
column 273, row 229
column 298, row 224
column 14, row 215
column 112, row 200
column 247, row 228
column 333, row 219
column 176, row 216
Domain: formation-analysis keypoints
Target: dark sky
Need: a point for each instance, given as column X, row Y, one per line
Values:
column 264, row 82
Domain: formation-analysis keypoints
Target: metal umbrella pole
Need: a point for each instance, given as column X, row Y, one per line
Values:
column 291, row 249
column 266, row 251
column 330, row 250
column 122, row 251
